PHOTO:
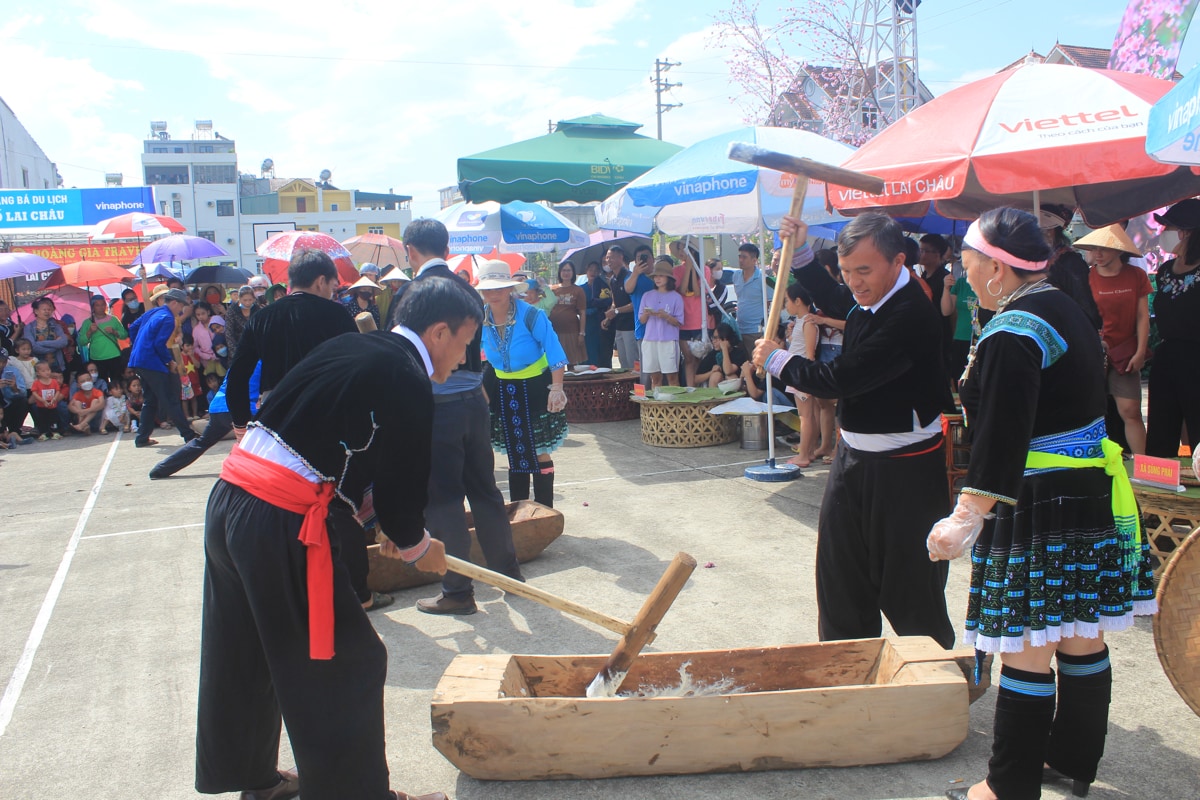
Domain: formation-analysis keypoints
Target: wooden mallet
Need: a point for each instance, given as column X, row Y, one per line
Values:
column 803, row 169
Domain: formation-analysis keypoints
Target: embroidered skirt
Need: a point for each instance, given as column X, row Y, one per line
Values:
column 1052, row 567
column 522, row 428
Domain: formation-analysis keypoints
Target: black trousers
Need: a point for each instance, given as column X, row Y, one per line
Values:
column 162, row 391
column 219, row 426
column 464, row 467
column 254, row 664
column 15, row 413
column 1174, row 392
column 871, row 554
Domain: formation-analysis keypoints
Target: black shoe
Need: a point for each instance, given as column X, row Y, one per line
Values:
column 447, row 605
column 1078, row 788
column 957, row 794
column 287, row 788
column 147, row 443
column 155, row 475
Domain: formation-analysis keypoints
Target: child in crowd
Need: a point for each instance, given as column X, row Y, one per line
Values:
column 214, row 384
column 45, row 392
column 726, row 359
column 189, row 378
column 14, row 401
column 97, row 381
column 662, row 314
column 133, row 402
column 803, row 338
column 116, row 410
column 86, row 404
column 220, row 363
column 10, row 439
column 25, row 361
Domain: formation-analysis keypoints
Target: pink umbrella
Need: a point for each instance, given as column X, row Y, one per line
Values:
column 377, row 249
column 1041, row 132
column 67, row 300
column 135, row 225
column 282, row 246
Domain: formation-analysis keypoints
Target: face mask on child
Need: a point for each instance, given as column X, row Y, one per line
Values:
column 1169, row 240
column 222, row 351
column 94, row 374
column 86, row 386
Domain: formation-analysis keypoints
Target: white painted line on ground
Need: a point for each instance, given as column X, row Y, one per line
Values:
column 16, row 683
column 144, row 530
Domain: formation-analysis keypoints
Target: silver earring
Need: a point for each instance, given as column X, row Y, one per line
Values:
column 997, row 293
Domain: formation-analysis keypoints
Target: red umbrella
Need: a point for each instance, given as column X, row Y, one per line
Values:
column 377, row 249
column 87, row 273
column 135, row 225
column 1047, row 133
column 282, row 246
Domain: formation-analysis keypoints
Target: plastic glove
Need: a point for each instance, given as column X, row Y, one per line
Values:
column 557, row 400
column 955, row 534
column 1196, row 462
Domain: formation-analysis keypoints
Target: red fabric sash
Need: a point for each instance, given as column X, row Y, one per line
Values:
column 282, row 488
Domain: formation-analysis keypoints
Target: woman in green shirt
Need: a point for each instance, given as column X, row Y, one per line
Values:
column 101, row 334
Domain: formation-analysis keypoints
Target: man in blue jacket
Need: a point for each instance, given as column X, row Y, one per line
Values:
column 153, row 362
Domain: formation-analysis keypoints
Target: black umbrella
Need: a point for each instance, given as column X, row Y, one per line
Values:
column 218, row 273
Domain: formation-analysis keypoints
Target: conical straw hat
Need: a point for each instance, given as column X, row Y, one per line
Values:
column 1113, row 237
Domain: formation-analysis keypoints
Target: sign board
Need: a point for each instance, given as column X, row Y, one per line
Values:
column 70, row 208
column 1162, row 473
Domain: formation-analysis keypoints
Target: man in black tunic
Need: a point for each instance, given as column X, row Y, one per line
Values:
column 283, row 634
column 462, row 431
column 888, row 481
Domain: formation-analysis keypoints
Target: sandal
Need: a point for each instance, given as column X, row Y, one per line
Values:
column 379, row 600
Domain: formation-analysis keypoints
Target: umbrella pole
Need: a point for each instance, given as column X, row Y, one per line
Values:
column 1037, row 203
column 762, row 248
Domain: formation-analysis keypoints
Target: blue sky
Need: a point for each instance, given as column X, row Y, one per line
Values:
column 388, row 95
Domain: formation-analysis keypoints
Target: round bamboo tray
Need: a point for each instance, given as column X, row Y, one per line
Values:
column 678, row 424
column 604, row 398
column 1177, row 624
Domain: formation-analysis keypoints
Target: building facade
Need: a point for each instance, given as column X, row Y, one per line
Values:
column 23, row 165
column 195, row 180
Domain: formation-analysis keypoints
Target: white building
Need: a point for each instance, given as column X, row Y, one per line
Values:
column 23, row 165
column 195, row 181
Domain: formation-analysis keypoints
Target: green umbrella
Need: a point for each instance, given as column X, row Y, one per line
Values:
column 585, row 159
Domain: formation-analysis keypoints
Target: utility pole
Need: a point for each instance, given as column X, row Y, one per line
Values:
column 661, row 67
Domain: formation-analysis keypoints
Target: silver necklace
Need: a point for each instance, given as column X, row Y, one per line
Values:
column 1024, row 289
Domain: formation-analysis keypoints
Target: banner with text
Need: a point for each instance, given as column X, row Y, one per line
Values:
column 64, row 208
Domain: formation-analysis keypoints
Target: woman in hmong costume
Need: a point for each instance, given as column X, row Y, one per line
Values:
column 524, row 384
column 1060, row 559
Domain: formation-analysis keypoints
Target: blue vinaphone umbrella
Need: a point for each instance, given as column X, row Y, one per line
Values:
column 700, row 190
column 1173, row 128
column 218, row 273
column 179, row 247
column 516, row 227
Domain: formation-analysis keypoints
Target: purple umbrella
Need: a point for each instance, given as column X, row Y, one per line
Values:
column 179, row 247
column 15, row 265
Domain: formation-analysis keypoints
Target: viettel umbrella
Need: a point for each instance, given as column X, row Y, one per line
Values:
column 1047, row 133
column 219, row 273
column 376, row 248
column 135, row 225
column 86, row 273
column 583, row 160
column 515, row 227
column 700, row 190
column 179, row 247
column 16, row 265
column 282, row 246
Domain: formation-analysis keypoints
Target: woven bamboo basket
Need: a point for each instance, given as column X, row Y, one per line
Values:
column 668, row 424
column 1177, row 624
column 1168, row 519
column 604, row 399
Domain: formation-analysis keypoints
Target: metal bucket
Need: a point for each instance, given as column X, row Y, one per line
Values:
column 754, row 432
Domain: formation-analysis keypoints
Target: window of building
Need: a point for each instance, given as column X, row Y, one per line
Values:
column 210, row 235
column 177, row 149
column 162, row 207
column 224, row 208
column 177, row 209
column 204, row 148
column 158, row 149
column 25, row 177
column 165, row 174
column 375, row 229
column 301, row 205
column 215, row 173
column 333, row 206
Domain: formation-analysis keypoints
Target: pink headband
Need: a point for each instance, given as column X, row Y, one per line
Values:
column 974, row 239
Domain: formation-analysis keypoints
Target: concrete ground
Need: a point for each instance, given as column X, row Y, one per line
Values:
column 100, row 589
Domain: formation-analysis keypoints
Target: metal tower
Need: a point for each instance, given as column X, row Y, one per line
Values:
column 884, row 58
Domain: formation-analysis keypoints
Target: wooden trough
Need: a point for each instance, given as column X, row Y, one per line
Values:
column 534, row 527
column 832, row 704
